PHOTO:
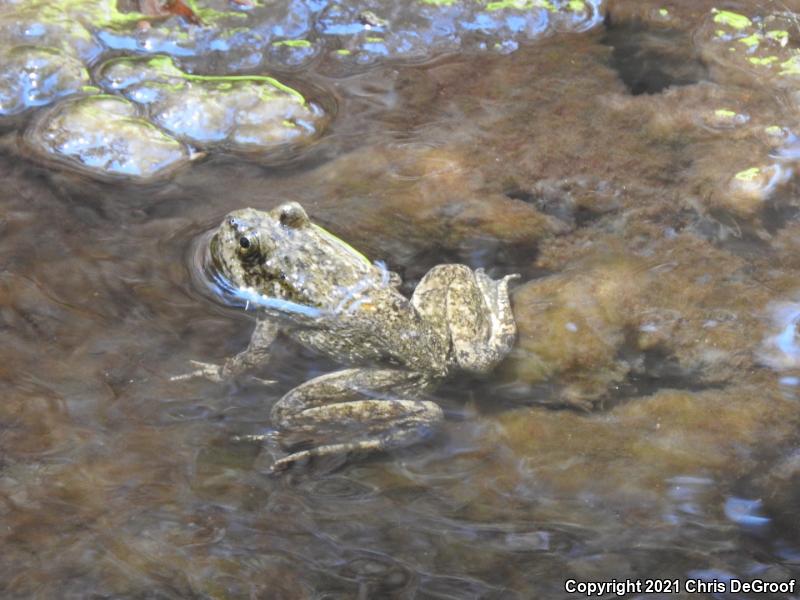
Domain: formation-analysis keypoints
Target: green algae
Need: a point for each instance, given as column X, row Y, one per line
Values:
column 752, row 41
column 762, row 61
column 293, row 43
column 731, row 19
column 725, row 113
column 779, row 35
column 162, row 70
column 748, row 174
column 520, row 5
column 791, row 66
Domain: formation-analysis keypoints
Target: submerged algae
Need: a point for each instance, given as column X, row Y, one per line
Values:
column 613, row 319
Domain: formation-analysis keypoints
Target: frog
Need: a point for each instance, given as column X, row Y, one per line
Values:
column 305, row 282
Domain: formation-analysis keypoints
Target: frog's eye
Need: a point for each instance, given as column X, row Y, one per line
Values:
column 248, row 244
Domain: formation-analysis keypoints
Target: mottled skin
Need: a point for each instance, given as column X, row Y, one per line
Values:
column 320, row 291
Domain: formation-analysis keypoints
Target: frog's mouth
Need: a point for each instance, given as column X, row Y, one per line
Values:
column 209, row 273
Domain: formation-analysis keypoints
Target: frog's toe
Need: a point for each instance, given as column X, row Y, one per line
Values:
column 208, row 371
column 262, row 381
column 286, row 462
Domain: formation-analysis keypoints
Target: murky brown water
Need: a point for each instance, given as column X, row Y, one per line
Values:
column 646, row 426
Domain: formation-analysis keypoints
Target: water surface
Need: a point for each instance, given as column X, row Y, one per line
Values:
column 635, row 170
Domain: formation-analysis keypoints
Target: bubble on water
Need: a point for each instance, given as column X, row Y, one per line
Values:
column 104, row 135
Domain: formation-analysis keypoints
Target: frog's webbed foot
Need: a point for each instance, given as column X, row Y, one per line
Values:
column 495, row 295
column 215, row 373
column 286, row 462
column 256, row 353
column 208, row 371
column 369, row 408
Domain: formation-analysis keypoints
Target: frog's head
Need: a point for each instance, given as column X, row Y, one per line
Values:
column 280, row 253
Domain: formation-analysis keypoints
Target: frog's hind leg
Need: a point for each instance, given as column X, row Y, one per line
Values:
column 473, row 312
column 503, row 326
column 374, row 409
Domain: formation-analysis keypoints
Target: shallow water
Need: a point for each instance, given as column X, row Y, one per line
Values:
column 645, row 426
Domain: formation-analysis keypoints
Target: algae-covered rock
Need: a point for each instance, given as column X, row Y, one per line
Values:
column 391, row 199
column 572, row 326
column 643, row 444
column 671, row 317
column 375, row 30
column 32, row 76
column 60, row 25
column 750, row 48
column 245, row 114
column 104, row 135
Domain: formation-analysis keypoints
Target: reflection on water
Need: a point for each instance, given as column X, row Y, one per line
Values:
column 646, row 424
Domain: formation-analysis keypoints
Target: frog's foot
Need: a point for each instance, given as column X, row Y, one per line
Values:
column 390, row 440
column 495, row 295
column 208, row 371
column 215, row 373
column 286, row 462
column 353, row 405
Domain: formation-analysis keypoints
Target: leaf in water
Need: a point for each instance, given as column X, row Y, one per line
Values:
column 159, row 8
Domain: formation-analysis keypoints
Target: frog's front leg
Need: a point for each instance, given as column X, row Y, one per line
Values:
column 256, row 353
column 371, row 408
